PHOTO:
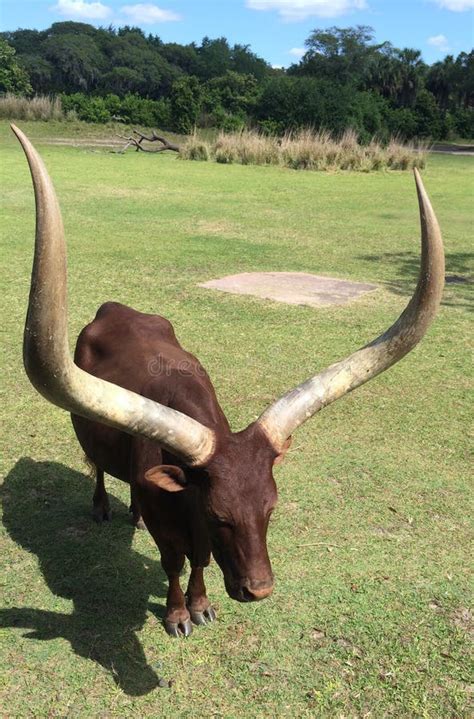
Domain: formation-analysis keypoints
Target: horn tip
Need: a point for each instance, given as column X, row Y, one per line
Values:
column 419, row 182
column 19, row 134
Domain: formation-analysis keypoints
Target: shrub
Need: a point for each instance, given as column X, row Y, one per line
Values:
column 13, row 77
column 402, row 122
column 141, row 111
column 89, row 109
column 131, row 109
column 464, row 122
column 186, row 101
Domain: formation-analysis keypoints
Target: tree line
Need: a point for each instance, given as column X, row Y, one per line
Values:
column 344, row 80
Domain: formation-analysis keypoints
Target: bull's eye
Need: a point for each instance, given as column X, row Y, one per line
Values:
column 219, row 522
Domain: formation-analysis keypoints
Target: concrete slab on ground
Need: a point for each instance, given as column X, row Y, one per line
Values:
column 294, row 288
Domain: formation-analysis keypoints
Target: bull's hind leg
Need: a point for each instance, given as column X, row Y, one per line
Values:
column 100, row 501
column 198, row 604
column 177, row 621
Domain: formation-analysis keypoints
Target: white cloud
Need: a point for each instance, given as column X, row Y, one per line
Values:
column 82, row 10
column 148, row 14
column 297, row 51
column 302, row 9
column 455, row 5
column 440, row 42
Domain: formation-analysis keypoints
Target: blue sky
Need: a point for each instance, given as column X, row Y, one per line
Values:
column 275, row 29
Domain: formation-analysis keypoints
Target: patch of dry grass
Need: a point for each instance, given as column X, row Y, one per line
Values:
column 195, row 148
column 40, row 107
column 307, row 150
column 246, row 147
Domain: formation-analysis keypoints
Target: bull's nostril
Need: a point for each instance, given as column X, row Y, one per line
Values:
column 252, row 595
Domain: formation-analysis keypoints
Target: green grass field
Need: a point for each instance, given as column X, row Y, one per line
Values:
column 370, row 614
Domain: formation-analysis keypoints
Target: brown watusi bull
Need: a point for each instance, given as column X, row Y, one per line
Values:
column 198, row 486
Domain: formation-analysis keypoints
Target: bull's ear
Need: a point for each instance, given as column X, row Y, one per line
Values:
column 285, row 448
column 167, row 477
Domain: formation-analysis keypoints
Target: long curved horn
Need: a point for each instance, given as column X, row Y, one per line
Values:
column 46, row 355
column 292, row 409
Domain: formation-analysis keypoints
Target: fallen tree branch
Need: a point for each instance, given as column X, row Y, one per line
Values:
column 137, row 142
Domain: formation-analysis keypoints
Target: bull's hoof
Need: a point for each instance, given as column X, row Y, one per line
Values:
column 205, row 617
column 137, row 520
column 178, row 629
column 99, row 514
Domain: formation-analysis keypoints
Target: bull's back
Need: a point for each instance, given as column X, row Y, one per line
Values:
column 121, row 345
column 125, row 347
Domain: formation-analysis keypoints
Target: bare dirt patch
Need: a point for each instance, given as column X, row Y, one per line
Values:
column 293, row 288
column 83, row 142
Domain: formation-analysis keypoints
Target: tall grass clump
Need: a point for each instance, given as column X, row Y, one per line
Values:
column 352, row 155
column 40, row 107
column 195, row 149
column 307, row 149
column 401, row 156
column 246, row 147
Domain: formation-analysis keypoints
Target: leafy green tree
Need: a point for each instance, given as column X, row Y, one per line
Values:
column 214, row 58
column 383, row 73
column 276, row 102
column 121, row 80
column 441, row 81
column 428, row 115
column 244, row 61
column 184, row 57
column 186, row 102
column 13, row 78
column 465, row 64
column 40, row 72
column 136, row 66
column 235, row 92
column 25, row 42
column 77, row 61
column 452, row 81
column 338, row 54
column 412, row 71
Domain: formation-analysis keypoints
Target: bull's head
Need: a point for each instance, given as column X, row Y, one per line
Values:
column 234, row 470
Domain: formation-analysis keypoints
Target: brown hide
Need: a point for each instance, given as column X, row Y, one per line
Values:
column 229, row 502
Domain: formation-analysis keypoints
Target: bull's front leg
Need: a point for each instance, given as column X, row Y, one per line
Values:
column 177, row 621
column 198, row 604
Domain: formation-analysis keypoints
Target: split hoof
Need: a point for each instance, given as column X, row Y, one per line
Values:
column 205, row 617
column 178, row 629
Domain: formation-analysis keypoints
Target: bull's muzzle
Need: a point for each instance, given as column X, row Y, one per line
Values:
column 254, row 594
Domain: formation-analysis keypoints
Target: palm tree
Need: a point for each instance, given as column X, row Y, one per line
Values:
column 412, row 69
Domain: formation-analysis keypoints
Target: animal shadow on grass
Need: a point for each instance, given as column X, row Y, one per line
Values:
column 459, row 280
column 47, row 511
